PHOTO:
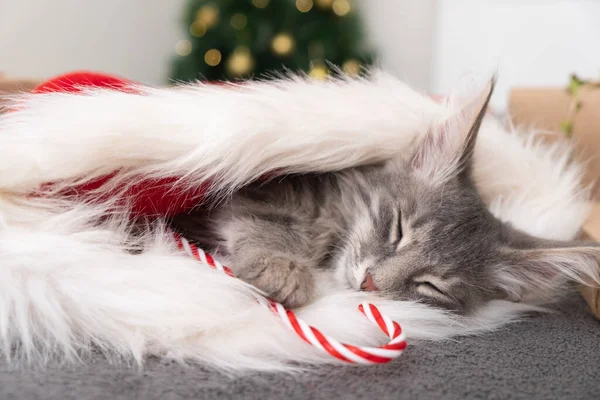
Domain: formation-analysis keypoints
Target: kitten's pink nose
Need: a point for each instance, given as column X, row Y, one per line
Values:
column 368, row 284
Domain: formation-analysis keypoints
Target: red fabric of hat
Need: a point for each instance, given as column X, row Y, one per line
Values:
column 148, row 198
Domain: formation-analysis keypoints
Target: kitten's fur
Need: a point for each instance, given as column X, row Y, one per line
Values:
column 413, row 228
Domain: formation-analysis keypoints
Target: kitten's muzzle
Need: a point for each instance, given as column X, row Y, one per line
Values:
column 368, row 284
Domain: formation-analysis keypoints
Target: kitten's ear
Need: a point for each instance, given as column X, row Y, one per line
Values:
column 447, row 148
column 539, row 274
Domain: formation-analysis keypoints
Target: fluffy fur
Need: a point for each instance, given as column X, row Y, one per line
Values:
column 69, row 284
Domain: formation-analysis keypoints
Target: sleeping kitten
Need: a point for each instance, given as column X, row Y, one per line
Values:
column 413, row 228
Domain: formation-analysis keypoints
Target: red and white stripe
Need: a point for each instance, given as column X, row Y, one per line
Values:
column 311, row 335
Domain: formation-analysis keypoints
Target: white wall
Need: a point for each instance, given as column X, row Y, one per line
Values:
column 133, row 38
column 404, row 32
column 530, row 42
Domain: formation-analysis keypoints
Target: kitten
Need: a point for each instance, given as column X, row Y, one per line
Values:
column 414, row 228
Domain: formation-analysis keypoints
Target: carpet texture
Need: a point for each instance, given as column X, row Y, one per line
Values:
column 551, row 356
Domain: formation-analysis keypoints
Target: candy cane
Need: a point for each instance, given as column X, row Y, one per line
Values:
column 311, row 335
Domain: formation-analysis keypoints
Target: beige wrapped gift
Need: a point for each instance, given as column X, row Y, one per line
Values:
column 548, row 108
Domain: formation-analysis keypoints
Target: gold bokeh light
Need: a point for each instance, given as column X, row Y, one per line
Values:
column 324, row 4
column 351, row 67
column 283, row 44
column 240, row 62
column 319, row 72
column 239, row 21
column 260, row 3
column 304, row 5
column 208, row 15
column 212, row 57
column 341, row 7
column 197, row 29
column 183, row 47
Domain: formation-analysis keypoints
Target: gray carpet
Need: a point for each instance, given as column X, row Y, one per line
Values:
column 554, row 356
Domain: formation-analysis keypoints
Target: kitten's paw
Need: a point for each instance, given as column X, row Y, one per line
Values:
column 285, row 280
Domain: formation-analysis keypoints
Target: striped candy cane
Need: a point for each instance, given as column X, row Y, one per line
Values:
column 311, row 335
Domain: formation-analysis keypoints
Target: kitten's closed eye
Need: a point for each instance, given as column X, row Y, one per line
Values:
column 396, row 228
column 430, row 285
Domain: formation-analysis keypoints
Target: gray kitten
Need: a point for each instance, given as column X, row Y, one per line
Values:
column 414, row 228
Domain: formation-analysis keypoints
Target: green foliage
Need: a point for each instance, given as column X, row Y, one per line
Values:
column 574, row 88
column 567, row 128
column 238, row 39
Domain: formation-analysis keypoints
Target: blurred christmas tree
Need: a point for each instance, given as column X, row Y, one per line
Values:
column 237, row 39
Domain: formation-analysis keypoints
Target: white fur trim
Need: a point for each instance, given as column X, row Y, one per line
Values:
column 66, row 282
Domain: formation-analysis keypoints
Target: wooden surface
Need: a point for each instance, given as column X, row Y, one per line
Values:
column 13, row 86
